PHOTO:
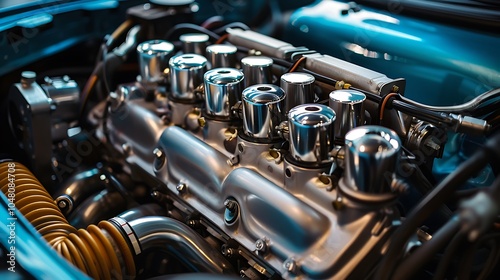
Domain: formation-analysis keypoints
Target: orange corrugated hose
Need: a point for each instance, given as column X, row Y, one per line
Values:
column 90, row 250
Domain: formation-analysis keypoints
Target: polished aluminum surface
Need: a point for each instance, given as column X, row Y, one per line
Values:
column 299, row 89
column 194, row 43
column 349, row 108
column 372, row 155
column 223, row 87
column 153, row 59
column 257, row 70
column 311, row 132
column 150, row 209
column 187, row 72
column 263, row 106
column 94, row 209
column 221, row 55
column 181, row 241
column 277, row 200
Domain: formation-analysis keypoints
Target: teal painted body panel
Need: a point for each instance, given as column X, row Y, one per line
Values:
column 443, row 65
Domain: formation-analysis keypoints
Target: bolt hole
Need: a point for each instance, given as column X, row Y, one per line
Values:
column 223, row 72
column 288, row 173
column 312, row 108
column 240, row 147
column 264, row 88
column 188, row 56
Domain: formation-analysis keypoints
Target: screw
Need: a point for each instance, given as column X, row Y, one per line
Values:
column 193, row 223
column 27, row 78
column 202, row 122
column 233, row 161
column 338, row 204
column 158, row 153
column 227, row 251
column 126, row 148
column 155, row 194
column 181, row 187
column 261, row 245
column 65, row 203
column 290, row 265
column 395, row 88
column 62, row 204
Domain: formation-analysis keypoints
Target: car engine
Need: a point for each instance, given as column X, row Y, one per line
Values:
column 205, row 148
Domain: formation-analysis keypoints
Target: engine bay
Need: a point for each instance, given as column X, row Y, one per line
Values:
column 207, row 148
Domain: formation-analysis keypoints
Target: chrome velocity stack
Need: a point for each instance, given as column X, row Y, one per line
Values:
column 153, row 59
column 257, row 70
column 187, row 72
column 311, row 132
column 348, row 105
column 372, row 154
column 223, row 87
column 263, row 110
column 221, row 55
column 299, row 89
column 194, row 43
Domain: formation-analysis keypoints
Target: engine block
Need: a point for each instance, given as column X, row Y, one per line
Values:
column 233, row 152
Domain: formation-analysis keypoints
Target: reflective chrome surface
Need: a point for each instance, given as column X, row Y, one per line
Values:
column 311, row 132
column 221, row 55
column 263, row 106
column 348, row 105
column 186, row 74
column 257, row 70
column 299, row 89
column 194, row 43
column 372, row 154
column 153, row 59
column 223, row 87
column 180, row 240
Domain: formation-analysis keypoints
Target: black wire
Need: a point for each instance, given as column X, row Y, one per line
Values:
column 104, row 74
column 491, row 261
column 433, row 201
column 190, row 27
column 466, row 193
column 465, row 267
column 448, row 256
column 415, row 261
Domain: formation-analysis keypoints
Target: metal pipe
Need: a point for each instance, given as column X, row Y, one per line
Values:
column 181, row 241
column 150, row 209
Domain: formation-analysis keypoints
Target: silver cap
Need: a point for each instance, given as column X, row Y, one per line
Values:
column 153, row 59
column 223, row 87
column 311, row 132
column 257, row 70
column 194, row 43
column 299, row 89
column 348, row 105
column 372, row 154
column 221, row 55
column 187, row 72
column 262, row 110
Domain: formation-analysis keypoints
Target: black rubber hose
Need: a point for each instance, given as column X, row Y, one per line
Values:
column 190, row 27
column 448, row 255
column 416, row 260
column 433, row 201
